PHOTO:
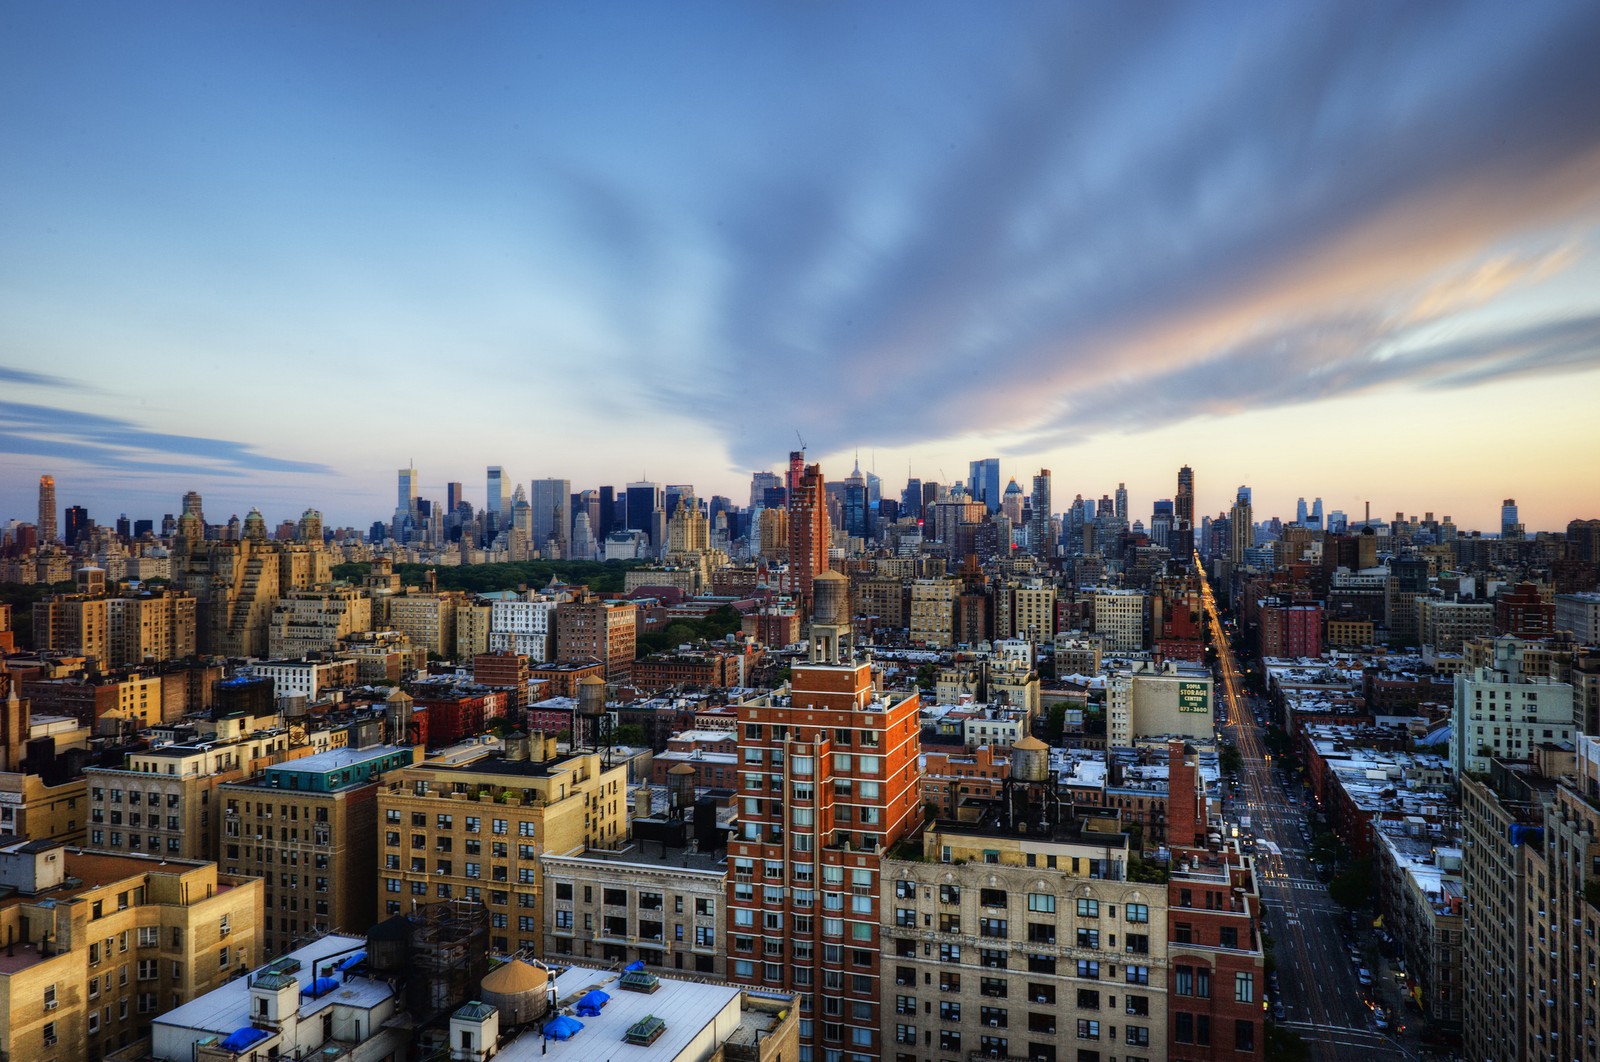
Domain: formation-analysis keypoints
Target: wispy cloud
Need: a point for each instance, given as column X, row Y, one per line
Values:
column 12, row 375
column 115, row 444
column 1308, row 164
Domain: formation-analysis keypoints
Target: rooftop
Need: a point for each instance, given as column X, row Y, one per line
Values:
column 689, row 1009
column 226, row 1009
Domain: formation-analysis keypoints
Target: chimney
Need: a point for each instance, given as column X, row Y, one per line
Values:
column 1184, row 818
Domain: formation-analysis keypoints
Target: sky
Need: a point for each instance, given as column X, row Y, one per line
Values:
column 274, row 252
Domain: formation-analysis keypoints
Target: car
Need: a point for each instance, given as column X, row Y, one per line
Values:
column 1380, row 1018
column 1364, row 975
column 1277, row 1010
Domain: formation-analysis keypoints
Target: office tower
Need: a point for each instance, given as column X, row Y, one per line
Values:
column 1039, row 537
column 583, row 543
column 521, row 514
column 1300, row 514
column 551, row 499
column 47, row 510
column 453, row 494
column 673, row 493
column 77, row 524
column 857, row 522
column 1510, row 527
column 1011, row 503
column 1183, row 504
column 644, row 500
column 498, row 503
column 1161, row 524
column 760, row 483
column 406, row 500
column 606, row 520
column 911, row 499
column 874, row 491
column 808, row 529
column 124, row 527
column 1316, row 513
column 828, row 784
column 1122, row 503
column 983, row 482
column 1241, row 527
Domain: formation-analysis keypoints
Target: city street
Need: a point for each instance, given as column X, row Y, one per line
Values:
column 1317, row 974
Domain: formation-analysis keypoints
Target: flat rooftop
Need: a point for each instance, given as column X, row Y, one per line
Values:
column 689, row 1009
column 226, row 1009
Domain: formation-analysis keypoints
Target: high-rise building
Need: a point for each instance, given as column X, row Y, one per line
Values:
column 606, row 522
column 760, row 483
column 47, row 510
column 1122, row 503
column 828, row 785
column 453, row 494
column 1183, row 503
column 857, row 520
column 983, row 482
column 406, row 496
column 1011, row 503
column 1316, row 513
column 1241, row 527
column 77, row 524
column 644, row 501
column 498, row 502
column 1300, row 514
column 1040, row 539
column 808, row 526
column 1510, row 526
column 911, row 499
column 552, row 520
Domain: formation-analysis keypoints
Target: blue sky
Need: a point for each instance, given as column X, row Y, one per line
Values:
column 273, row 252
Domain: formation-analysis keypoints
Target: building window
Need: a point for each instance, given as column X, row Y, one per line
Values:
column 1244, row 988
column 1087, row 908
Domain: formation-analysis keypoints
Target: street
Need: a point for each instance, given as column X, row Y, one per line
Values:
column 1317, row 973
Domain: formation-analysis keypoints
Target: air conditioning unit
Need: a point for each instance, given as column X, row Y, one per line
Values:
column 900, row 981
column 50, row 1004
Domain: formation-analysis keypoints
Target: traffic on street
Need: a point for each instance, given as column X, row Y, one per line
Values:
column 1322, row 987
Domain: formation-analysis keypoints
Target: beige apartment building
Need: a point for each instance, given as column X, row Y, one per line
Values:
column 645, row 903
column 308, row 828
column 1014, row 945
column 163, row 801
column 477, row 826
column 933, row 610
column 104, row 943
column 311, row 621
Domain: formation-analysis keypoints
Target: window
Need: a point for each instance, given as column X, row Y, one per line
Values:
column 1089, row 968
column 1088, row 1029
column 1136, row 975
column 1088, row 938
column 1137, row 912
column 992, row 897
column 1088, row 908
column 1088, row 999
column 1244, row 1035
column 1136, row 1036
column 1244, row 988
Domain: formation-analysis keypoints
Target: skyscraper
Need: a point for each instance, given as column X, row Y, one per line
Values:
column 1316, row 513
column 606, row 522
column 1122, row 503
column 77, row 524
column 983, row 482
column 406, row 499
column 808, row 528
column 551, row 499
column 452, row 497
column 1183, row 504
column 911, row 499
column 759, row 483
column 1241, row 527
column 1510, row 526
column 499, row 499
column 47, row 511
column 1300, row 514
column 1039, row 537
column 856, row 520
column 644, row 501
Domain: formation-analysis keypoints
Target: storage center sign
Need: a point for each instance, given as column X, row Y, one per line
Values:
column 1194, row 697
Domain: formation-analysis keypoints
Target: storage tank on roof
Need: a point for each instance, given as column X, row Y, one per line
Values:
column 680, row 785
column 831, row 599
column 518, row 991
column 592, row 697
column 1030, row 760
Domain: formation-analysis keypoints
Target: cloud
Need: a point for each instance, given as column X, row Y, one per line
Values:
column 11, row 375
column 120, row 445
column 1297, row 165
column 1328, row 359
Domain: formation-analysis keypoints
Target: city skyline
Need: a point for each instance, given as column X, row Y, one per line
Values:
column 1329, row 249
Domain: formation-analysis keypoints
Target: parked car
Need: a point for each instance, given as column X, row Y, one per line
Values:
column 1364, row 975
column 1277, row 1010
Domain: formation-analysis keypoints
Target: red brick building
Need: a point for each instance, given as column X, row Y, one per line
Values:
column 562, row 678
column 1524, row 612
column 1217, row 984
column 950, row 777
column 1291, row 631
column 590, row 628
column 503, row 670
column 828, row 782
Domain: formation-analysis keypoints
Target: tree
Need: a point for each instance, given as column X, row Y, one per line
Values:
column 927, row 676
column 1353, row 888
column 631, row 734
column 1230, row 760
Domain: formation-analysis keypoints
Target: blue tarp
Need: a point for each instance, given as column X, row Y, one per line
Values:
column 320, row 986
column 562, row 1028
column 352, row 961
column 632, row 966
column 592, row 1003
column 241, row 1039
